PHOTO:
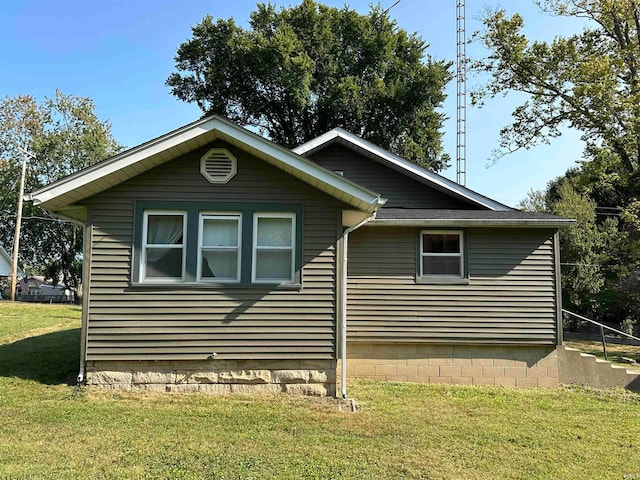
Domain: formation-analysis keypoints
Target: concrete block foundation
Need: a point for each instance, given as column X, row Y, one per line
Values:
column 519, row 366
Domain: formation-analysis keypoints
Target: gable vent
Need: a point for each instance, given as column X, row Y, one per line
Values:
column 218, row 165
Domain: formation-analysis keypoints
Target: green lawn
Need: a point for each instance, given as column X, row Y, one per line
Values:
column 51, row 430
column 18, row 320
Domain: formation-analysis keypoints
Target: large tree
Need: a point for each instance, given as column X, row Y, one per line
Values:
column 64, row 135
column 589, row 81
column 298, row 72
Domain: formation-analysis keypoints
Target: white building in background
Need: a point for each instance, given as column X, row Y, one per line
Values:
column 5, row 264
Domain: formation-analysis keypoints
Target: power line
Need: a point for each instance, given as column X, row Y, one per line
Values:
column 36, row 217
column 4, row 202
column 387, row 10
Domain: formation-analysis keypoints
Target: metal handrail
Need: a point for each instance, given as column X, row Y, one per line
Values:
column 602, row 327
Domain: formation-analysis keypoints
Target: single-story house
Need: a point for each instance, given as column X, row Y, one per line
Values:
column 217, row 261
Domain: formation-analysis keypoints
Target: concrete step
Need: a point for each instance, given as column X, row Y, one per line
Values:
column 576, row 367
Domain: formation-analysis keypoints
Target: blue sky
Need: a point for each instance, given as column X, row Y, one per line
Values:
column 120, row 52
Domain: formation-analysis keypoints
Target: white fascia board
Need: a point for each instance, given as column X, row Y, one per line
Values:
column 120, row 161
column 314, row 144
column 408, row 222
column 217, row 127
column 434, row 178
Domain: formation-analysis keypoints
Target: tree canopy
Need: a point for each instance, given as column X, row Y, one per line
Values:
column 64, row 135
column 298, row 72
column 589, row 81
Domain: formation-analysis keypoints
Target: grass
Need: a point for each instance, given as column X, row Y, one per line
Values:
column 614, row 351
column 20, row 320
column 49, row 430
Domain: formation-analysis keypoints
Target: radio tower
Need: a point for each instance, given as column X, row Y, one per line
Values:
column 461, row 110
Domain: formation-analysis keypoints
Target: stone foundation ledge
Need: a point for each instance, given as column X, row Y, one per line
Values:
column 179, row 377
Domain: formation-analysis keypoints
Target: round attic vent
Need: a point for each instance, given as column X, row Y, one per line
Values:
column 218, row 165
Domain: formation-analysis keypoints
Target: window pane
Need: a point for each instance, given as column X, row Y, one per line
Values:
column 441, row 266
column 164, row 230
column 222, row 265
column 274, row 232
column 218, row 232
column 164, row 263
column 273, row 265
column 441, row 243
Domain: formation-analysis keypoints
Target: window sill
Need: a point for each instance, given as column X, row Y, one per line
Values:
column 137, row 286
column 442, row 281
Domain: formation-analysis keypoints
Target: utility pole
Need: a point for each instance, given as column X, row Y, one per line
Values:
column 16, row 237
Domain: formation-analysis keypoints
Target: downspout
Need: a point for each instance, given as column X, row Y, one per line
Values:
column 80, row 378
column 86, row 270
column 343, row 300
column 558, row 285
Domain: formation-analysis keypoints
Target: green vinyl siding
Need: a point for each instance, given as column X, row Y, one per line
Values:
column 510, row 297
column 140, row 322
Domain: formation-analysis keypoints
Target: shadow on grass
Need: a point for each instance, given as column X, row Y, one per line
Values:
column 51, row 359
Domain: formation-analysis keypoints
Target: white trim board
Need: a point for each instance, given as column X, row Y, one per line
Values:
column 137, row 160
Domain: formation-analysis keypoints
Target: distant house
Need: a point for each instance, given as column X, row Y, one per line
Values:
column 36, row 289
column 5, row 272
column 217, row 261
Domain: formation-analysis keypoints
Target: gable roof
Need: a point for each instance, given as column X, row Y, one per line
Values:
column 61, row 196
column 368, row 149
column 5, row 264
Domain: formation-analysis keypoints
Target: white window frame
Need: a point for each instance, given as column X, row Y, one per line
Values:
column 183, row 247
column 424, row 254
column 255, row 247
column 219, row 216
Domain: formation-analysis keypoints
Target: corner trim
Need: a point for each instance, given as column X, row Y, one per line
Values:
column 558, row 287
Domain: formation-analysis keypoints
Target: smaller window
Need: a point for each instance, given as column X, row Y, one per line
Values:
column 273, row 247
column 163, row 243
column 441, row 254
column 219, row 247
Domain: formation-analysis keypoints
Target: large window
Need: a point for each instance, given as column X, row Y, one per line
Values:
column 212, row 244
column 273, row 247
column 163, row 243
column 219, row 250
column 441, row 254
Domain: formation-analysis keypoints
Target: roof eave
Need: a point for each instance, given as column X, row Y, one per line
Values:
column 456, row 222
column 103, row 175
